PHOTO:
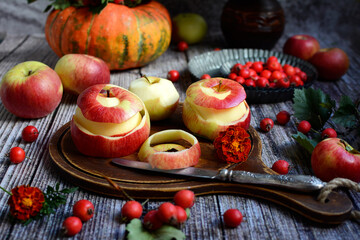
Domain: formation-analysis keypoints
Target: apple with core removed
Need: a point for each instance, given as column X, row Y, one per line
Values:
column 212, row 105
column 31, row 90
column 161, row 152
column 331, row 63
column 159, row 96
column 335, row 158
column 109, row 121
column 302, row 46
column 80, row 71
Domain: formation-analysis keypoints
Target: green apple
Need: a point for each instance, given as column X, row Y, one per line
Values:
column 189, row 27
column 158, row 94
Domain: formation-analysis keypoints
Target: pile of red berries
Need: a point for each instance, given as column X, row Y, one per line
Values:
column 166, row 213
column 270, row 74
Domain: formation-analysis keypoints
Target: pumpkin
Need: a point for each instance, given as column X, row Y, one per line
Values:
column 123, row 37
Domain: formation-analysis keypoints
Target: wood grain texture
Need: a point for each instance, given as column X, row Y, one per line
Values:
column 334, row 23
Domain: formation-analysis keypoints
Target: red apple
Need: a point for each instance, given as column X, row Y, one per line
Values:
column 301, row 46
column 160, row 151
column 80, row 71
column 212, row 105
column 333, row 157
column 109, row 121
column 31, row 90
column 331, row 63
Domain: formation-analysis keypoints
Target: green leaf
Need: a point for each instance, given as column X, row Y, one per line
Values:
column 137, row 231
column 313, row 105
column 305, row 142
column 345, row 115
column 99, row 8
column 167, row 232
column 69, row 190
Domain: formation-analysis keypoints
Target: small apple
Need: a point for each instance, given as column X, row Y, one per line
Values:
column 109, row 121
column 160, row 151
column 80, row 71
column 301, row 46
column 331, row 63
column 333, row 157
column 212, row 105
column 31, row 90
column 188, row 27
column 159, row 96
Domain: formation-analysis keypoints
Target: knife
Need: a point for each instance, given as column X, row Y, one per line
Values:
column 301, row 183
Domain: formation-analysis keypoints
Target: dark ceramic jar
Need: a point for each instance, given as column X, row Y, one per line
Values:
column 252, row 23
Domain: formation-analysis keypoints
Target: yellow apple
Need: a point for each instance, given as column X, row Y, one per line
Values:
column 212, row 105
column 109, row 121
column 160, row 151
column 159, row 96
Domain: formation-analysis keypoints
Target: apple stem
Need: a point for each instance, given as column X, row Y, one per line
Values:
column 349, row 148
column 30, row 72
column 219, row 86
column 107, row 93
column 144, row 76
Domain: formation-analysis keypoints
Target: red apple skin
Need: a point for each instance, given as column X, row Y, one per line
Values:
column 94, row 111
column 302, row 46
column 237, row 95
column 170, row 160
column 108, row 147
column 331, row 63
column 36, row 97
column 331, row 160
column 80, row 71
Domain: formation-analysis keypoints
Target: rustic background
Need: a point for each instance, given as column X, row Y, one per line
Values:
column 333, row 23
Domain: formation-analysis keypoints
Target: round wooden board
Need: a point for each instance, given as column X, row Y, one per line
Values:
column 93, row 174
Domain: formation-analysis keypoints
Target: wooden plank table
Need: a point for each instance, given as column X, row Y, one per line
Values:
column 262, row 219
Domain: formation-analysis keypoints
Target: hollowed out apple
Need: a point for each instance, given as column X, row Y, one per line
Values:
column 160, row 152
column 109, row 121
column 212, row 105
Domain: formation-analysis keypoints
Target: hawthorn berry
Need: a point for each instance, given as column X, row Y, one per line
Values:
column 17, row 155
column 205, row 76
column 182, row 46
column 232, row 218
column 173, row 75
column 71, row 226
column 131, row 209
column 151, row 221
column 250, row 83
column 262, row 82
column 258, row 67
column 283, row 117
column 83, row 209
column 304, row 127
column 328, row 133
column 240, row 79
column 232, row 76
column 266, row 124
column 30, row 133
column 167, row 213
column 184, row 198
column 181, row 215
column 281, row 167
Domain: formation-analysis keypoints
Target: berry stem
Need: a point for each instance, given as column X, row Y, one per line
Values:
column 6, row 191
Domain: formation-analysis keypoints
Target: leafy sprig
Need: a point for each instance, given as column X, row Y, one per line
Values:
column 318, row 108
column 136, row 231
column 96, row 6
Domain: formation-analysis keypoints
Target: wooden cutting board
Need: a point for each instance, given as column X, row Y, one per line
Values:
column 93, row 174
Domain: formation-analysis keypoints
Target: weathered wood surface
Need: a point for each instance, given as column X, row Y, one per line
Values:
column 333, row 23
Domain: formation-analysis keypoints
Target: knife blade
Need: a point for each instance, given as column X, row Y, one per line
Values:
column 303, row 183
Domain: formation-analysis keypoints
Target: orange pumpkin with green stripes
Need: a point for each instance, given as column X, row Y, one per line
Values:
column 123, row 37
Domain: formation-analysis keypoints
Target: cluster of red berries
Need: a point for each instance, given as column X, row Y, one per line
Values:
column 29, row 134
column 83, row 211
column 166, row 213
column 282, row 118
column 270, row 74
